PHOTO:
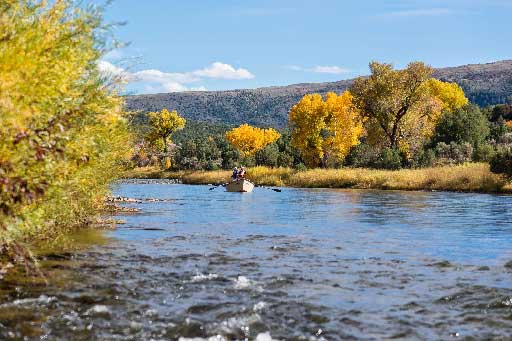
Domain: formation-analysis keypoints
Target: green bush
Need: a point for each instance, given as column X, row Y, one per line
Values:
column 498, row 130
column 424, row 158
column 502, row 161
column 465, row 125
column 483, row 153
column 268, row 156
column 389, row 158
column 301, row 167
column 362, row 155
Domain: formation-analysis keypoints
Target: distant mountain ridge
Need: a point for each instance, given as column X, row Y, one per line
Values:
column 484, row 84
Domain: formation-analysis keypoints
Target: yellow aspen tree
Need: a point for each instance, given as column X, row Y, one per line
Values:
column 307, row 120
column 248, row 139
column 450, row 95
column 325, row 129
column 343, row 124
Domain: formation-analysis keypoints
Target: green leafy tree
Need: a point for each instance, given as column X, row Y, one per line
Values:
column 466, row 124
column 288, row 155
column 162, row 125
column 268, row 156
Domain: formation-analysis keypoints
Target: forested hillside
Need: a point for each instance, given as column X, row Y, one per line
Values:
column 484, row 84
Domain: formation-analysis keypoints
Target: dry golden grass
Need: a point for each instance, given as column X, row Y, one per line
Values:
column 471, row 177
column 206, row 177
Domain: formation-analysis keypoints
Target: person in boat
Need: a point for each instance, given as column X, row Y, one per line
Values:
column 234, row 176
column 241, row 173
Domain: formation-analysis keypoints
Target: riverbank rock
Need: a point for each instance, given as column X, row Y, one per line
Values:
column 150, row 181
column 123, row 199
column 115, row 208
column 107, row 223
column 99, row 311
column 134, row 200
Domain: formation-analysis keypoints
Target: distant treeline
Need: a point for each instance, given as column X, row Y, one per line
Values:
column 203, row 146
column 468, row 134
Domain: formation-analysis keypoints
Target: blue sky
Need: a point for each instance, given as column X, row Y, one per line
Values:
column 229, row 44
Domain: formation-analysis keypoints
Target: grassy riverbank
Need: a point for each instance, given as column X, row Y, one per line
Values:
column 471, row 177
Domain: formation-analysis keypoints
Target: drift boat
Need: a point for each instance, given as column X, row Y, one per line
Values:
column 240, row 185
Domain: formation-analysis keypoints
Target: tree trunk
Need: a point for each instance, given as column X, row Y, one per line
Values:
column 393, row 139
column 165, row 144
column 395, row 134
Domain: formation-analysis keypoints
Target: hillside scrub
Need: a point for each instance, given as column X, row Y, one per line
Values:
column 469, row 177
column 63, row 131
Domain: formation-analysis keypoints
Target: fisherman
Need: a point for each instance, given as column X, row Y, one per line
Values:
column 234, row 176
column 241, row 173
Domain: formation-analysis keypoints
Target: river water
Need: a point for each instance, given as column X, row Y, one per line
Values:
column 300, row 264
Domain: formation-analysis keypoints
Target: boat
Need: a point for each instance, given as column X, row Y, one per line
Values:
column 240, row 185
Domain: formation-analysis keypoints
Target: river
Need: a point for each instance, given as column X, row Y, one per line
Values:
column 301, row 264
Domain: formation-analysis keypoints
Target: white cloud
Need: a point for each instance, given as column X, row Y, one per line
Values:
column 174, row 87
column 178, row 87
column 419, row 12
column 223, row 71
column 109, row 69
column 158, row 76
column 330, row 69
column 295, row 68
column 198, row 88
column 335, row 70
column 159, row 81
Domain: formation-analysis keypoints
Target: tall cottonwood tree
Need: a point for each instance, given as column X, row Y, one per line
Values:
column 325, row 129
column 403, row 106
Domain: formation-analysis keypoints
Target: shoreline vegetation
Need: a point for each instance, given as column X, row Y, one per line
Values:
column 469, row 177
column 65, row 132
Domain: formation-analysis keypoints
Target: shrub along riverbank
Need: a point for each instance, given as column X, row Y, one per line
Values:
column 64, row 132
column 470, row 177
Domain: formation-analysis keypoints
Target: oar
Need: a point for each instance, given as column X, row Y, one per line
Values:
column 215, row 186
column 272, row 189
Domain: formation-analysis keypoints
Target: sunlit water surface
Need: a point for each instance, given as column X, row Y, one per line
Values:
column 300, row 264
